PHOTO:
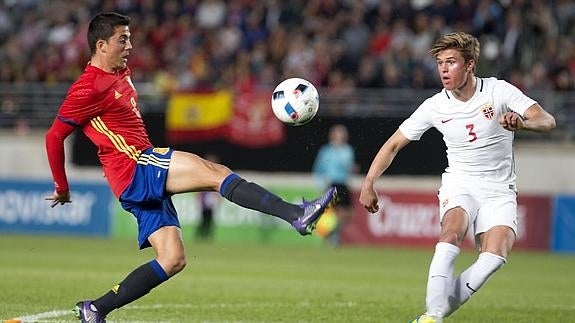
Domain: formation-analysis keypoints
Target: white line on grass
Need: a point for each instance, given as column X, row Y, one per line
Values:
column 42, row 316
column 56, row 316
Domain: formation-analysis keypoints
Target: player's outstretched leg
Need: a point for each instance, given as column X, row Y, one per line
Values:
column 302, row 217
column 313, row 210
column 424, row 318
column 88, row 314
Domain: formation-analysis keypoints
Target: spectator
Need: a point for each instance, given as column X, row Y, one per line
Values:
column 208, row 201
column 193, row 36
column 333, row 166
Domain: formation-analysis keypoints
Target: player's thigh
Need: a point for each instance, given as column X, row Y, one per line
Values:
column 496, row 224
column 457, row 211
column 454, row 225
column 189, row 172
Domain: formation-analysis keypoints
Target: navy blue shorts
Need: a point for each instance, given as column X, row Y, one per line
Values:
column 146, row 196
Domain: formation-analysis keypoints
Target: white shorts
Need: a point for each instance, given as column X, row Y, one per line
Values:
column 487, row 203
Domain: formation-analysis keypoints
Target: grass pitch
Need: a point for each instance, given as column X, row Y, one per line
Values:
column 42, row 277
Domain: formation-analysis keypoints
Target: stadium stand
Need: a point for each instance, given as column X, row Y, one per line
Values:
column 344, row 47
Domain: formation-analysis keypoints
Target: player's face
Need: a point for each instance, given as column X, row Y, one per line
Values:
column 452, row 68
column 118, row 48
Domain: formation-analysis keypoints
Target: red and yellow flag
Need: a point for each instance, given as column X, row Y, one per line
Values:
column 254, row 124
column 198, row 116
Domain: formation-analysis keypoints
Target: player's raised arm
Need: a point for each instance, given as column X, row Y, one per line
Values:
column 386, row 154
column 55, row 151
column 535, row 119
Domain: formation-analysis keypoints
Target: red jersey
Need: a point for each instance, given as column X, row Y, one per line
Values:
column 104, row 105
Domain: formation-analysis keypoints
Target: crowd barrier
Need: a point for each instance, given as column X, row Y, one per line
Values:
column 406, row 218
column 563, row 229
column 24, row 209
column 411, row 219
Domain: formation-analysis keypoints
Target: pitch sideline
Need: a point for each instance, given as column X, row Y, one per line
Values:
column 54, row 315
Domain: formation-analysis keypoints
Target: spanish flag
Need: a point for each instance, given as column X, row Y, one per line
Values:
column 198, row 116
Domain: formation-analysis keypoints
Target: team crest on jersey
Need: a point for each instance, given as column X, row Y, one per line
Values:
column 161, row 151
column 444, row 202
column 488, row 111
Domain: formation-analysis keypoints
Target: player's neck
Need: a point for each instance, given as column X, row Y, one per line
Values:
column 100, row 63
column 467, row 90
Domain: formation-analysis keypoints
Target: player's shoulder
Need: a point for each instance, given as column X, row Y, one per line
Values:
column 82, row 88
column 94, row 81
column 436, row 99
column 492, row 83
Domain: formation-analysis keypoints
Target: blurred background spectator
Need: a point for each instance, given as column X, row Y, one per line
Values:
column 195, row 44
column 335, row 165
column 208, row 201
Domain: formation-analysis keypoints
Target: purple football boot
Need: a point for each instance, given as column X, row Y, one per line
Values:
column 87, row 314
column 313, row 210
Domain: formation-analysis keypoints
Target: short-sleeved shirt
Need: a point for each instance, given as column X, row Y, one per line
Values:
column 334, row 163
column 104, row 105
column 477, row 145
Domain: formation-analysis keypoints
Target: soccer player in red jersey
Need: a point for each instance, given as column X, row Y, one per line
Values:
column 103, row 103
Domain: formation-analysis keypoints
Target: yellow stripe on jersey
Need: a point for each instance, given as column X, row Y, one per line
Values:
column 149, row 159
column 118, row 141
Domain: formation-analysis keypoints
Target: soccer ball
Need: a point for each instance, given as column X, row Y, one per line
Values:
column 295, row 101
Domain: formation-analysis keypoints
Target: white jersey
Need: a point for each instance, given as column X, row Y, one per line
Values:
column 477, row 145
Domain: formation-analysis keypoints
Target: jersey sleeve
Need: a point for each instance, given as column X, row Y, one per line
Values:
column 516, row 100
column 418, row 123
column 55, row 137
column 83, row 102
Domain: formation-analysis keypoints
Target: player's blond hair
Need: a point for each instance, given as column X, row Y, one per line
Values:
column 464, row 43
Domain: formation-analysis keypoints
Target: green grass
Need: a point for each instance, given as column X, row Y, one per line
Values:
column 42, row 277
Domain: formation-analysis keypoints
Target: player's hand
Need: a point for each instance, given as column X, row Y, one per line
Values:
column 59, row 198
column 368, row 198
column 511, row 121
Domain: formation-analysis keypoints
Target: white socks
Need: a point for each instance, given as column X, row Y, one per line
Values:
column 440, row 278
column 473, row 278
column 445, row 295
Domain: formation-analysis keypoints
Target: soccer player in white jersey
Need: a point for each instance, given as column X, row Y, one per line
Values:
column 477, row 118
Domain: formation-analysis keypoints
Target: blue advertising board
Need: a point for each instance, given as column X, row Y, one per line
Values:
column 24, row 209
column 563, row 235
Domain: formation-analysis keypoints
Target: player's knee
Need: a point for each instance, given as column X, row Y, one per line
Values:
column 174, row 264
column 216, row 168
column 452, row 237
column 498, row 241
column 179, row 263
column 218, row 173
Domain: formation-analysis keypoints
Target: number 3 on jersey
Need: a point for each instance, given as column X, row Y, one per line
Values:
column 471, row 133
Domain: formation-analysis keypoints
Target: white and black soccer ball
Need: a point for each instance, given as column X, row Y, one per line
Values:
column 295, row 101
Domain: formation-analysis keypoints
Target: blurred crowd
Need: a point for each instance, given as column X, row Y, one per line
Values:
column 343, row 44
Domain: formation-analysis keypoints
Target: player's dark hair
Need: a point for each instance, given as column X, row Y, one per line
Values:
column 102, row 27
column 465, row 43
